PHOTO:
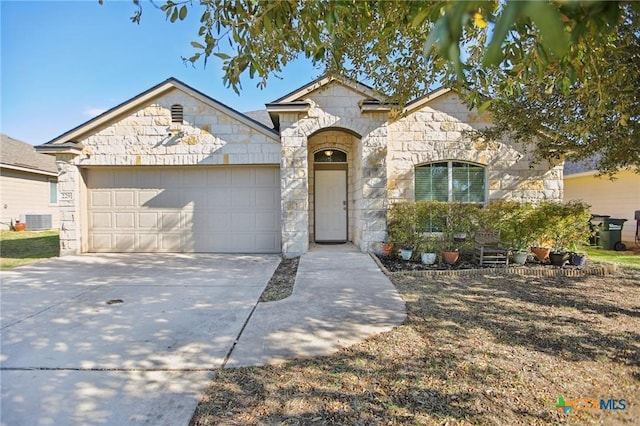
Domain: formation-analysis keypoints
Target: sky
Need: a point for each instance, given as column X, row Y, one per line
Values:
column 64, row 62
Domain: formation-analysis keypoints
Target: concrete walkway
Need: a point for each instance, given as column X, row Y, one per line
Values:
column 340, row 298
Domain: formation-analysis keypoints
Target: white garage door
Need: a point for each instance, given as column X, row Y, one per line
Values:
column 184, row 209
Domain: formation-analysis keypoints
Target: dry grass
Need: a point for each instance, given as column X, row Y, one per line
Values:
column 481, row 350
column 280, row 286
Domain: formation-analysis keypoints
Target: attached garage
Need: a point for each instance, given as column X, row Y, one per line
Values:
column 203, row 209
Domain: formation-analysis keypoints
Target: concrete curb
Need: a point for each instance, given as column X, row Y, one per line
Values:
column 536, row 271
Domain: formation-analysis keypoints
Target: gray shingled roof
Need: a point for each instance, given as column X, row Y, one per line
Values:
column 574, row 167
column 20, row 154
column 261, row 116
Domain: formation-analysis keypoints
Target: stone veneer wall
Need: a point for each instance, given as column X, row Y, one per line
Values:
column 208, row 136
column 434, row 133
column 333, row 107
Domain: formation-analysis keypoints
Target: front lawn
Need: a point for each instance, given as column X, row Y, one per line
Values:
column 21, row 248
column 474, row 350
column 630, row 258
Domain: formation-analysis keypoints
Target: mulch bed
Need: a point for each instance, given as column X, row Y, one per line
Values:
column 467, row 266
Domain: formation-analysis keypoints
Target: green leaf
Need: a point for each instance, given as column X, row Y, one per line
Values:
column 197, row 45
column 222, row 56
column 183, row 13
column 485, row 105
column 494, row 52
column 174, row 15
column 548, row 20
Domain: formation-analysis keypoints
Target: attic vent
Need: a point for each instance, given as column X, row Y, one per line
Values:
column 177, row 114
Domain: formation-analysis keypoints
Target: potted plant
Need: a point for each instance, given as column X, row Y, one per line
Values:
column 428, row 247
column 577, row 258
column 386, row 247
column 455, row 222
column 568, row 225
column 402, row 228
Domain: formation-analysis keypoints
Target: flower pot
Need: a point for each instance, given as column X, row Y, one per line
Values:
column 19, row 226
column 520, row 257
column 387, row 248
column 578, row 259
column 428, row 258
column 541, row 253
column 559, row 259
column 450, row 257
column 406, row 253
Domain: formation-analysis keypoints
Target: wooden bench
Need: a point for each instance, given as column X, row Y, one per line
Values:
column 487, row 249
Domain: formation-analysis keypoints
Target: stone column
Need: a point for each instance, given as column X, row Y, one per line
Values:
column 374, row 187
column 69, row 204
column 294, row 187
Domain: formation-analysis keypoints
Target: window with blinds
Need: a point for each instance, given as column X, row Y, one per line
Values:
column 450, row 181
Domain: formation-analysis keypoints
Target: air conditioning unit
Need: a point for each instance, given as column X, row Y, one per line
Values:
column 37, row 222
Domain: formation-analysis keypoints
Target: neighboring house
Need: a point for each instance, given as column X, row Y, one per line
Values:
column 28, row 186
column 618, row 198
column 174, row 170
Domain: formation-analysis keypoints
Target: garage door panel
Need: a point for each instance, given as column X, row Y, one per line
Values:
column 100, row 199
column 102, row 242
column 171, row 242
column 242, row 220
column 148, row 220
column 170, row 221
column 125, row 242
column 267, row 178
column 100, row 220
column 266, row 199
column 218, row 178
column 125, row 198
column 242, row 199
column 266, row 241
column 219, row 198
column 148, row 243
column 242, row 178
column 183, row 209
column 125, row 220
column 145, row 196
column 267, row 221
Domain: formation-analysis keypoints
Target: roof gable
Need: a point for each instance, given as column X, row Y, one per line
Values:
column 143, row 98
column 422, row 101
column 301, row 93
column 20, row 155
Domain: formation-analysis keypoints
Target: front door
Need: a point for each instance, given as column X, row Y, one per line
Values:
column 331, row 205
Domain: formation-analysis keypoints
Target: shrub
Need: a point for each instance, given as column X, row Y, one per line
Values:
column 416, row 224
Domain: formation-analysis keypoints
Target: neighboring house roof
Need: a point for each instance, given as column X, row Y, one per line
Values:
column 18, row 155
column 581, row 168
column 147, row 96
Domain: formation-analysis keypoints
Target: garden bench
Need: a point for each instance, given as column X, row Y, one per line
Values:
column 487, row 249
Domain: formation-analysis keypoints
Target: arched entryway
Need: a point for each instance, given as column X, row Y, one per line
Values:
column 333, row 194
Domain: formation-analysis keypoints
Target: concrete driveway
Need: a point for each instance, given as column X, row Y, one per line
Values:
column 121, row 339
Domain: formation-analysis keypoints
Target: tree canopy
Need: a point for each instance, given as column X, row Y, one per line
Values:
column 562, row 75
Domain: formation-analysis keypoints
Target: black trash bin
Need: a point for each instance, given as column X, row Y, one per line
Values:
column 595, row 225
column 611, row 234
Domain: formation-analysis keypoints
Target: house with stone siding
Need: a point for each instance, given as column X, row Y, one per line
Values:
column 174, row 170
